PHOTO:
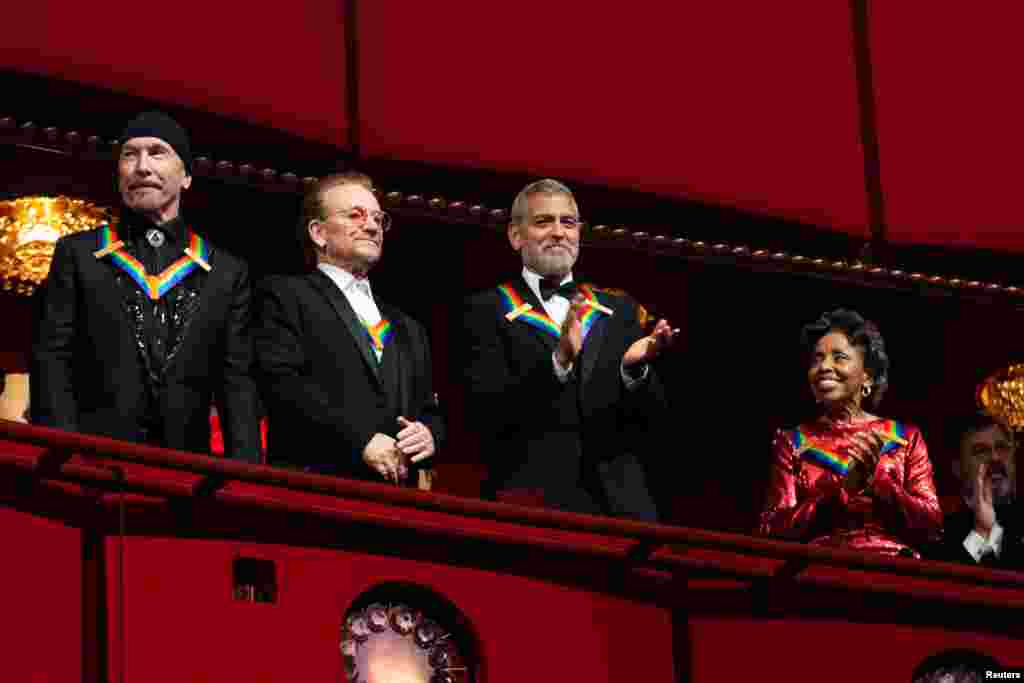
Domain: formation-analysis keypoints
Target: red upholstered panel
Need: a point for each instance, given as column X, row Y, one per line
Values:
column 950, row 110
column 744, row 649
column 746, row 104
column 282, row 67
column 181, row 623
column 41, row 594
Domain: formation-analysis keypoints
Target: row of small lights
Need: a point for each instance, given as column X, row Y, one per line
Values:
column 655, row 242
column 202, row 166
column 458, row 209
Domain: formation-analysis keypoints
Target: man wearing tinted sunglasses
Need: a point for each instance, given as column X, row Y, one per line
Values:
column 345, row 377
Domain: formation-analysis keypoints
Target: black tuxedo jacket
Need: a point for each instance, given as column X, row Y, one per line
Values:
column 325, row 392
column 958, row 525
column 91, row 371
column 569, row 441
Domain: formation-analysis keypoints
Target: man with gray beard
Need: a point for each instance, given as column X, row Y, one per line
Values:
column 555, row 368
column 987, row 529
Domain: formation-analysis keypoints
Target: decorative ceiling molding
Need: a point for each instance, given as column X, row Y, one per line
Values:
column 462, row 212
column 74, row 144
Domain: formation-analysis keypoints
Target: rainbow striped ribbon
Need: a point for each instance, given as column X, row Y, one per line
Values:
column 197, row 254
column 893, row 432
column 513, row 301
column 591, row 314
column 895, row 435
column 380, row 334
column 830, row 460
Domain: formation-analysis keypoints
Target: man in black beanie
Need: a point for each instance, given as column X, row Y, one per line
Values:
column 143, row 324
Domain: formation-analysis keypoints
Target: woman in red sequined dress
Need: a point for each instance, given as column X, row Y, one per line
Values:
column 851, row 479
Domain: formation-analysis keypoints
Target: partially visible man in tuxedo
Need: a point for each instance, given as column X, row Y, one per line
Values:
column 346, row 378
column 988, row 527
column 143, row 325
column 556, row 368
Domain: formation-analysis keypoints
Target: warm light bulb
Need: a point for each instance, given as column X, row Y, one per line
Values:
column 391, row 660
column 29, row 230
column 1001, row 395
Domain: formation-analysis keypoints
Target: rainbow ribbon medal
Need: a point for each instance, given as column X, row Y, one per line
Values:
column 197, row 255
column 895, row 435
column 514, row 304
column 516, row 308
column 379, row 335
column 830, row 460
column 593, row 311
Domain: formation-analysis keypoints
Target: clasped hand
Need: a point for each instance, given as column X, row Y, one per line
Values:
column 391, row 457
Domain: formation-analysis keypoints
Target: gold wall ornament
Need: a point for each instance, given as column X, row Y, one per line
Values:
column 29, row 230
column 1001, row 395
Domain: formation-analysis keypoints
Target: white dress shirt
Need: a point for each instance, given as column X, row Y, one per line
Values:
column 978, row 546
column 557, row 307
column 358, row 293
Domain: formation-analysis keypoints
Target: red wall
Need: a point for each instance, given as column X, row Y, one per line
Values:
column 182, row 623
column 743, row 649
column 41, row 594
column 745, row 104
column 949, row 112
column 282, row 69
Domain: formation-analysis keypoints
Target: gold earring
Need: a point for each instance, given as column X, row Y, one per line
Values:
column 866, row 390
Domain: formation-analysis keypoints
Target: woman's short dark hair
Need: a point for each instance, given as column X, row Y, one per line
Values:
column 863, row 334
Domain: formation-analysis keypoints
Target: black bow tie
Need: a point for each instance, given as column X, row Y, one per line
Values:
column 549, row 287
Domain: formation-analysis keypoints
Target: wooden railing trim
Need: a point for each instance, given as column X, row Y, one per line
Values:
column 656, row 535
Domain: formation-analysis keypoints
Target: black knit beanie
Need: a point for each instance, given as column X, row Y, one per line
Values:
column 156, row 124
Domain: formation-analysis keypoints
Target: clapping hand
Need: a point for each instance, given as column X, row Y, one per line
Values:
column 865, row 449
column 571, row 340
column 646, row 349
column 981, row 502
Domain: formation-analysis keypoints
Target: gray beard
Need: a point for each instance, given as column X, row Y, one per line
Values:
column 548, row 265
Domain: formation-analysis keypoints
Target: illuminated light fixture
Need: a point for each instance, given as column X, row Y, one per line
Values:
column 399, row 644
column 1001, row 395
column 29, row 230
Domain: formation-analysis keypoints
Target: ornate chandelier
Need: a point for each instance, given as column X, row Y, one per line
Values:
column 1001, row 395
column 29, row 230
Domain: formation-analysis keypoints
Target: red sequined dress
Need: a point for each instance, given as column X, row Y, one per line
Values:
column 898, row 510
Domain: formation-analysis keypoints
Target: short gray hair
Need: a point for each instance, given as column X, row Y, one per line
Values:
column 519, row 211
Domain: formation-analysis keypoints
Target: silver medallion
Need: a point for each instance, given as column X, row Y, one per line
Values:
column 155, row 238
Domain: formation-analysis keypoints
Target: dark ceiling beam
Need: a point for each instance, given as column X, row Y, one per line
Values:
column 352, row 66
column 867, row 116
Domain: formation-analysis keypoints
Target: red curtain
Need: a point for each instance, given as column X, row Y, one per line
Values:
column 741, row 104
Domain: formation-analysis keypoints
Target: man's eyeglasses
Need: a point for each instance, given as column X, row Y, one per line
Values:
column 357, row 215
